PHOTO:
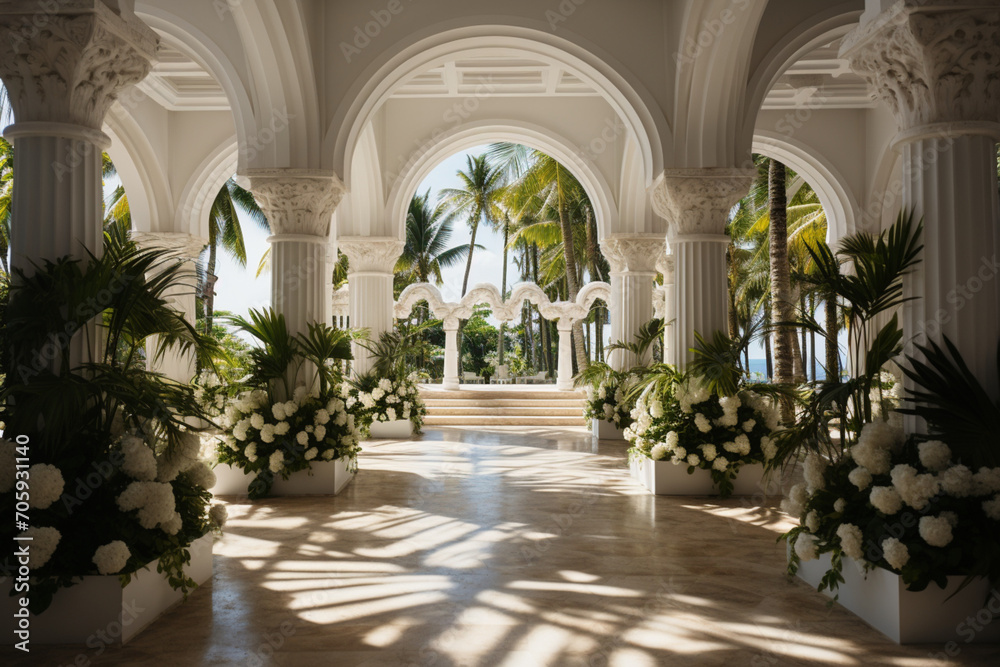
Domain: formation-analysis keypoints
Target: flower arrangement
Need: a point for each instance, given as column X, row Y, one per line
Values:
column 386, row 399
column 99, row 458
column 608, row 400
column 680, row 419
column 279, row 438
column 290, row 411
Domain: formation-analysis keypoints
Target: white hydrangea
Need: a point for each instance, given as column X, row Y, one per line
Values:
column 138, row 460
column 384, row 384
column 886, row 499
column 658, row 452
column 377, row 394
column 813, row 469
column 267, row 434
column 173, row 525
column 181, row 457
column 320, row 432
column 257, row 420
column 154, row 500
column 693, row 460
column 240, row 430
column 992, row 508
column 708, row 452
column 251, row 452
column 656, row 409
column 934, row 455
column 805, row 547
column 291, row 407
column 302, row 438
column 281, row 428
column 861, row 478
column 935, row 530
column 46, row 484
column 701, row 421
column 277, row 462
column 720, row 463
column 218, row 515
column 895, row 553
column 812, row 521
column 851, row 540
column 44, row 541
column 749, row 425
column 328, row 455
column 112, row 557
column 769, row 448
column 202, row 476
column 278, row 410
column 322, row 416
column 8, row 465
column 742, row 443
column 986, row 482
column 311, row 453
column 794, row 504
column 875, row 446
column 915, row 490
column 957, row 481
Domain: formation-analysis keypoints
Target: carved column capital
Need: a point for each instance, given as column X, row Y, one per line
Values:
column 932, row 63
column 67, row 64
column 371, row 254
column 297, row 201
column 185, row 246
column 697, row 201
column 665, row 266
column 634, row 253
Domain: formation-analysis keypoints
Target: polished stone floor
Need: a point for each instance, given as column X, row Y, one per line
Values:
column 512, row 547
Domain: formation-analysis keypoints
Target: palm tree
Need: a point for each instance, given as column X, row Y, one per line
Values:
column 478, row 200
column 559, row 191
column 6, row 197
column 428, row 230
column 224, row 228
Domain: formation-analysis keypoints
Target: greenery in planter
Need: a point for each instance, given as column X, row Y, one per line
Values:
column 115, row 478
column 611, row 394
column 388, row 392
column 275, row 426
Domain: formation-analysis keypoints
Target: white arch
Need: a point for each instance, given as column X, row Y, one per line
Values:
column 140, row 171
column 839, row 202
column 475, row 134
column 195, row 203
column 208, row 53
column 505, row 311
column 437, row 45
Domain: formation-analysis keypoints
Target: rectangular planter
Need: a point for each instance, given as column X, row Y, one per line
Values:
column 99, row 611
column 400, row 429
column 605, row 430
column 325, row 478
column 880, row 598
column 663, row 478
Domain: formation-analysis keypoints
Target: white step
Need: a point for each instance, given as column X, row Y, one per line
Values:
column 488, row 420
column 516, row 411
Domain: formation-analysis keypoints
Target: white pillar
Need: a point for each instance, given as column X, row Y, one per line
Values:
column 633, row 259
column 949, row 127
column 564, row 378
column 451, row 377
column 666, row 267
column 174, row 364
column 696, row 202
column 371, row 263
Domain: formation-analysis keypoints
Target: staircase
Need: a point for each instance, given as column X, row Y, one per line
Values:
column 521, row 405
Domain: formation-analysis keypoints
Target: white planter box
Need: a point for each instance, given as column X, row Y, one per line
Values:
column 325, row 478
column 604, row 430
column 880, row 598
column 401, row 429
column 98, row 605
column 663, row 478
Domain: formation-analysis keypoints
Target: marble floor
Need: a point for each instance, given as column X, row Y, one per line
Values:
column 513, row 547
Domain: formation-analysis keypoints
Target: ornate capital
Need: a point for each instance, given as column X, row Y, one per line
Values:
column 698, row 201
column 634, row 253
column 375, row 254
column 665, row 266
column 297, row 201
column 932, row 62
column 66, row 62
column 183, row 245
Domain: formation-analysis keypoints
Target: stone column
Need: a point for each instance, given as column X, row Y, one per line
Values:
column 372, row 259
column 176, row 365
column 696, row 203
column 451, row 377
column 633, row 259
column 564, row 376
column 63, row 67
column 666, row 267
column 936, row 68
column 299, row 204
